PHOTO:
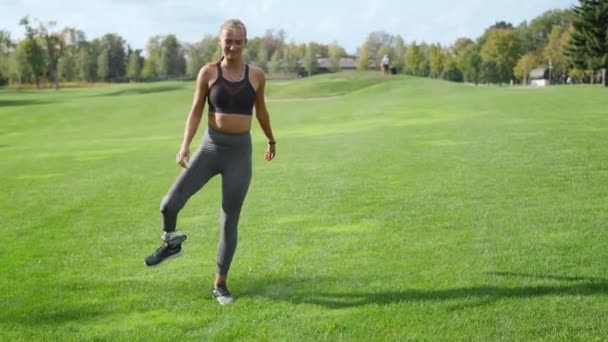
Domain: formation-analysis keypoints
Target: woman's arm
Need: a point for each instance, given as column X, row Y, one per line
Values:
column 261, row 113
column 194, row 117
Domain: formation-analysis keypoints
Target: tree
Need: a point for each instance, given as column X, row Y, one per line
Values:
column 66, row 68
column 460, row 49
column 86, row 63
column 336, row 52
column 588, row 47
column 196, row 59
column 112, row 49
column 262, row 57
column 275, row 62
column 273, row 41
column 376, row 40
column 149, row 71
column 291, row 57
column 72, row 39
column 363, row 59
column 310, row 59
column 414, row 60
column 134, row 66
column 474, row 64
column 250, row 53
column 171, row 59
column 399, row 57
column 6, row 49
column 554, row 52
column 535, row 35
column 500, row 53
column 451, row 72
column 436, row 60
column 524, row 65
column 103, row 65
column 19, row 68
column 53, row 45
column 32, row 51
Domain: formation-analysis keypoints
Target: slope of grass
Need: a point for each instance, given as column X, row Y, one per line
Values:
column 403, row 209
column 328, row 85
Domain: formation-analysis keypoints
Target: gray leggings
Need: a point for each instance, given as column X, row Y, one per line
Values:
column 220, row 153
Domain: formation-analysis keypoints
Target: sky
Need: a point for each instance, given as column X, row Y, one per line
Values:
column 322, row 21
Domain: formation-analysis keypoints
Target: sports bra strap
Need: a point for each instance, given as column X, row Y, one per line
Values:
column 219, row 69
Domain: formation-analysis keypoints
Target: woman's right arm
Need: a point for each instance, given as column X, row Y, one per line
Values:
column 195, row 115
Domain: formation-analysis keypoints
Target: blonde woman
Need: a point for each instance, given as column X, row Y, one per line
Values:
column 231, row 89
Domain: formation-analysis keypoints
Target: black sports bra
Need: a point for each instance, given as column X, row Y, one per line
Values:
column 231, row 97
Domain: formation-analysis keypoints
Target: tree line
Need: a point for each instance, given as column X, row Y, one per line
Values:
column 573, row 43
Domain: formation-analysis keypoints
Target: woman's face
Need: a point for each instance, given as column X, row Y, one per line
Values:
column 232, row 41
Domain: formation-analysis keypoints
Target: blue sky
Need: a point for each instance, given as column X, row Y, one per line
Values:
column 347, row 22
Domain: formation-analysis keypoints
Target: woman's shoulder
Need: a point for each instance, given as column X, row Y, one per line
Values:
column 209, row 67
column 256, row 71
column 208, row 71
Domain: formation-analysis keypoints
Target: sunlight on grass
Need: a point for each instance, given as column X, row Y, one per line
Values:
column 397, row 208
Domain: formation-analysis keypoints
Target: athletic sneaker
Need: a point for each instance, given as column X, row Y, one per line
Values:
column 171, row 248
column 222, row 295
column 163, row 253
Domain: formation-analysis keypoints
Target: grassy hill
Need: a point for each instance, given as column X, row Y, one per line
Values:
column 397, row 209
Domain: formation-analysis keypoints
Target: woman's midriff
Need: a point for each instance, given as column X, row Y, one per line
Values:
column 230, row 123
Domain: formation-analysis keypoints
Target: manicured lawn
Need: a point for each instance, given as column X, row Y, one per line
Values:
column 397, row 208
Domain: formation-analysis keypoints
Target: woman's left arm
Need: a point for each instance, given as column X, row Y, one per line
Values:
column 262, row 115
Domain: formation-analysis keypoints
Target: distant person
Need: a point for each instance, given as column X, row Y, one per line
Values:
column 385, row 64
column 232, row 89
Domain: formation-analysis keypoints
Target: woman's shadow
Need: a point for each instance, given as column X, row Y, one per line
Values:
column 302, row 291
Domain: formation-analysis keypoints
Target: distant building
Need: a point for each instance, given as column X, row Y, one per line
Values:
column 346, row 63
column 539, row 77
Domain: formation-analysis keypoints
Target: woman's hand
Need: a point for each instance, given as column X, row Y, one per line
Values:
column 182, row 157
column 270, row 151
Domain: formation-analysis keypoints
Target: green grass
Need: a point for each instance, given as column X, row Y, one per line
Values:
column 396, row 209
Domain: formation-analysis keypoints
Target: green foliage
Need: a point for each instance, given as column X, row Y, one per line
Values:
column 535, row 35
column 103, row 66
column 291, row 57
column 400, row 50
column 414, row 60
column 524, row 66
column 475, row 64
column 149, row 71
column 310, row 59
column 87, row 62
column 275, row 62
column 134, row 66
column 588, row 47
column 450, row 70
column 33, row 52
column 500, row 53
column 336, row 52
column 6, row 48
column 363, row 58
column 554, row 51
column 262, row 58
column 171, row 63
column 112, row 60
column 436, row 60
column 66, row 68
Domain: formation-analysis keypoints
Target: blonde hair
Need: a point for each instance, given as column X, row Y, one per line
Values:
column 231, row 24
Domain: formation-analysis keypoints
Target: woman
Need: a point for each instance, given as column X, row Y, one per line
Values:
column 231, row 88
